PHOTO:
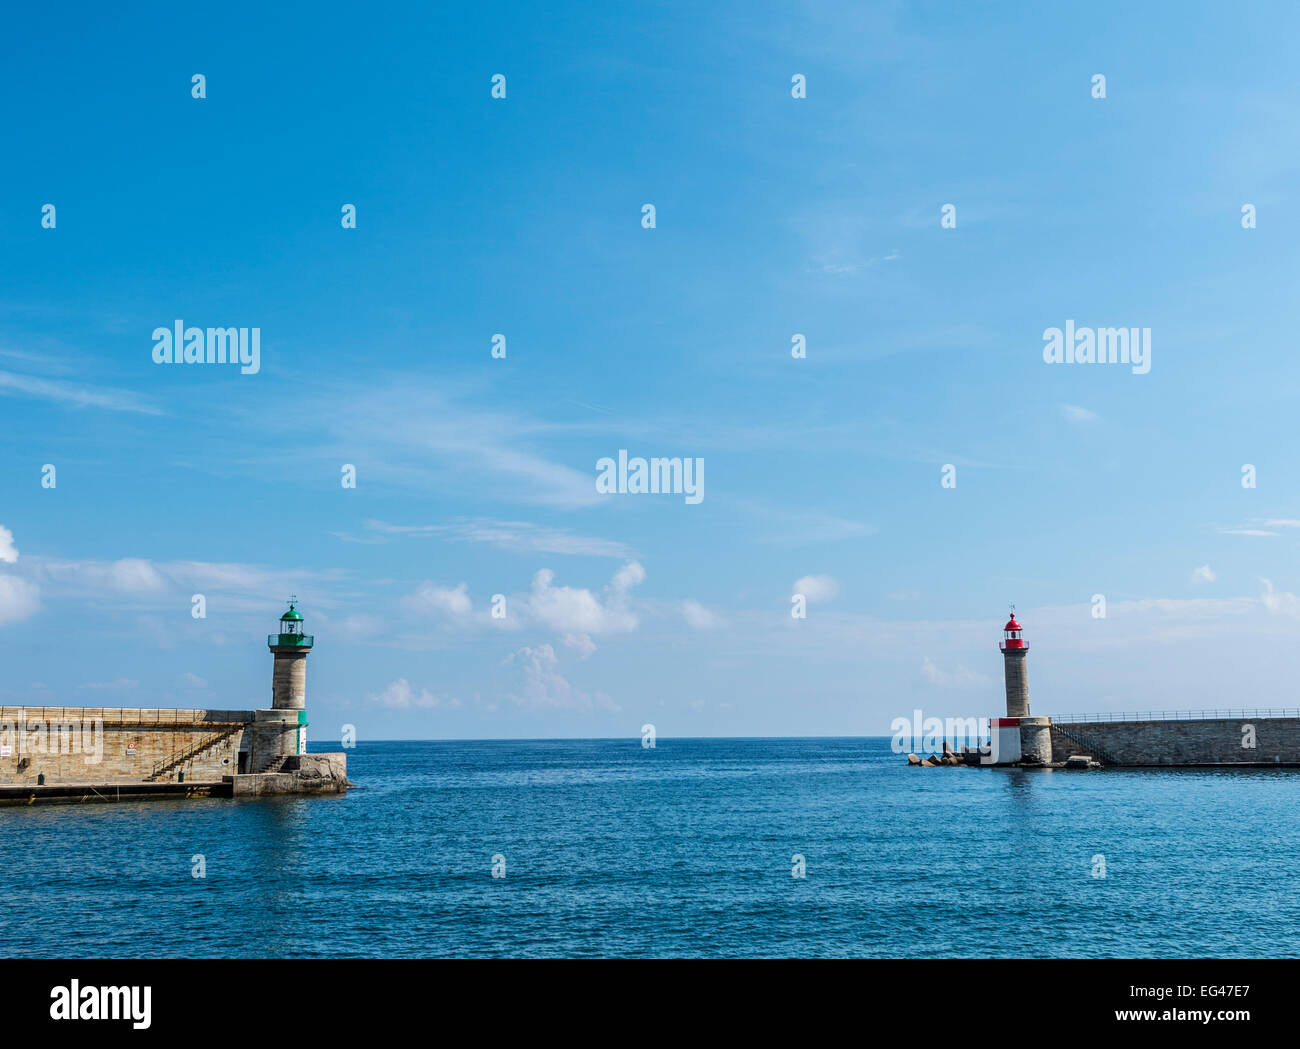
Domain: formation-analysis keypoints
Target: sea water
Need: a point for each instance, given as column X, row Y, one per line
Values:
column 690, row 848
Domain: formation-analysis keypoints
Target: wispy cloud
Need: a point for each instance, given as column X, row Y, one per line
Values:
column 817, row 587
column 544, row 686
column 962, row 677
column 413, row 437
column 699, row 617
column 1261, row 526
column 430, row 597
column 520, row 536
column 1279, row 603
column 74, row 394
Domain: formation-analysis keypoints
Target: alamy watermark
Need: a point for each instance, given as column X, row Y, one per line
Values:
column 24, row 737
column 639, row 476
column 181, row 345
column 1098, row 346
column 930, row 733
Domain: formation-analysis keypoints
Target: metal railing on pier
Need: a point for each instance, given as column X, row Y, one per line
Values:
column 123, row 715
column 1177, row 715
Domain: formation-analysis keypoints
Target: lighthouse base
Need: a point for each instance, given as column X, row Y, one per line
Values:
column 1019, row 741
column 1035, row 741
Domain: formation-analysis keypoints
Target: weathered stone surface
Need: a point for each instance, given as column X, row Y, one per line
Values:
column 928, row 764
column 912, row 759
column 1192, row 742
column 119, row 744
column 134, row 745
column 1078, row 761
column 300, row 774
column 1017, row 681
column 1035, row 740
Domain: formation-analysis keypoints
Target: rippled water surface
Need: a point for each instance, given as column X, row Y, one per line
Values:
column 611, row 849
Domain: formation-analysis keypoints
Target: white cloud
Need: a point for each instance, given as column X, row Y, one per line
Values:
column 1257, row 526
column 70, row 393
column 628, row 576
column 18, row 599
column 699, row 617
column 506, row 535
column 545, row 687
column 418, row 438
column 114, row 686
column 576, row 610
column 962, row 677
column 582, row 643
column 8, row 552
column 189, row 680
column 816, row 587
column 1279, row 603
column 401, row 696
column 429, row 597
column 129, row 575
column 358, row 627
column 1204, row 574
column 1078, row 415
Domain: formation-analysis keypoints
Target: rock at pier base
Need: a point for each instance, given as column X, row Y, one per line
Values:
column 298, row 774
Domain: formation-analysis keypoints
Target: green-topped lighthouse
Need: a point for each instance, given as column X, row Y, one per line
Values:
column 290, row 645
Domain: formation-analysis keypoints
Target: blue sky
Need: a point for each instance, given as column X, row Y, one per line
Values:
column 774, row 216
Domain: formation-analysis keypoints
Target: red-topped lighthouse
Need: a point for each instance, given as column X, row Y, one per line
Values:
column 1014, row 653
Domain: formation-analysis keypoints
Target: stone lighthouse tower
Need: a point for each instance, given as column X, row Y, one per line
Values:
column 291, row 646
column 1035, row 733
column 281, row 730
column 1014, row 654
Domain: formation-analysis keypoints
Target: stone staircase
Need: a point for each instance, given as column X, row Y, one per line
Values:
column 165, row 766
column 1073, row 734
column 270, row 763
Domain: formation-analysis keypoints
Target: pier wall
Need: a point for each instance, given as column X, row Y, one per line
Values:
column 116, row 744
column 1189, row 742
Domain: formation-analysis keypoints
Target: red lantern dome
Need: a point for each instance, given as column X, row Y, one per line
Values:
column 1011, row 634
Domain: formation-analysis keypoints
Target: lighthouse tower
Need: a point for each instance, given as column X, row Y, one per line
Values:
column 280, row 731
column 291, row 646
column 1014, row 653
column 1028, row 738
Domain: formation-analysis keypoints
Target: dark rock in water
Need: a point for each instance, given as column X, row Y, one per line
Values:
column 947, row 747
column 1078, row 761
column 927, row 764
column 912, row 759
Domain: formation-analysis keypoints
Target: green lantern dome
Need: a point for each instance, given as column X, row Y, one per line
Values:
column 290, row 635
